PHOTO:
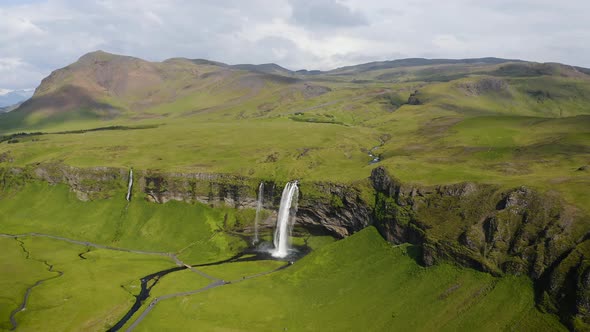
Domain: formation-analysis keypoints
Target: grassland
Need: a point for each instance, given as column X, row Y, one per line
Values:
column 97, row 285
column 90, row 292
column 484, row 125
column 13, row 287
column 139, row 225
column 511, row 125
column 356, row 284
column 334, row 280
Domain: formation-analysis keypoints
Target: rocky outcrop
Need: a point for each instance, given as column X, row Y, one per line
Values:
column 484, row 86
column 212, row 189
column 86, row 183
column 517, row 231
column 328, row 208
column 341, row 210
column 413, row 99
column 501, row 231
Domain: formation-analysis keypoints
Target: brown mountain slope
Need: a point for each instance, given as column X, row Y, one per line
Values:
column 101, row 85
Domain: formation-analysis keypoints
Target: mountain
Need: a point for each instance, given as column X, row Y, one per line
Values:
column 268, row 68
column 106, row 87
column 418, row 62
column 482, row 163
column 13, row 97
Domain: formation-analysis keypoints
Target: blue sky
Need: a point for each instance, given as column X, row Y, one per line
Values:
column 39, row 36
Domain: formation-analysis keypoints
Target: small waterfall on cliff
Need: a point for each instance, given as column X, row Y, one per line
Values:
column 130, row 185
column 258, row 210
column 287, row 212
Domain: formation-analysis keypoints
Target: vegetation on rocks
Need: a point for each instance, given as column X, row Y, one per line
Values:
column 481, row 165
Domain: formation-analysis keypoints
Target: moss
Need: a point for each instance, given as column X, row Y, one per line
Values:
column 12, row 179
column 243, row 218
column 336, row 202
column 388, row 210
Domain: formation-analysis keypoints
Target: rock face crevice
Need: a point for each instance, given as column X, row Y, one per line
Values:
column 517, row 231
column 497, row 230
column 342, row 211
column 336, row 209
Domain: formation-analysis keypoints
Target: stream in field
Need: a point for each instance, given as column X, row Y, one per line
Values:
column 261, row 252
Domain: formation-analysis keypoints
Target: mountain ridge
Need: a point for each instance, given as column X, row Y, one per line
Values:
column 102, row 86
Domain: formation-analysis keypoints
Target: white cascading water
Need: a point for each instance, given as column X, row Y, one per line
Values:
column 130, row 185
column 287, row 212
column 258, row 209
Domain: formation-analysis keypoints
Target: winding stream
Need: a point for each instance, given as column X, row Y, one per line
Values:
column 248, row 255
column 375, row 159
column 23, row 305
column 252, row 253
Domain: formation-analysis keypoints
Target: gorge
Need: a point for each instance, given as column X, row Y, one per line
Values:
column 485, row 227
column 411, row 195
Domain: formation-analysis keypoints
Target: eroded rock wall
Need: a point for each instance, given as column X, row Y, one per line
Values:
column 516, row 231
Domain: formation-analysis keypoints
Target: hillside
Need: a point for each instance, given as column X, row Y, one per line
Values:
column 102, row 87
column 429, row 121
column 482, row 163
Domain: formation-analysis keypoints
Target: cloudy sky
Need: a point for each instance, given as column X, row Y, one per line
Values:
column 38, row 36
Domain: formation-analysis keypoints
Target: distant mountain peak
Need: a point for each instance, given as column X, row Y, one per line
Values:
column 9, row 97
column 5, row 91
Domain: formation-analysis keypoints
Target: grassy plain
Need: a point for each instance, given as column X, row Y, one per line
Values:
column 508, row 125
column 18, row 273
column 92, row 294
column 138, row 225
column 529, row 131
column 360, row 283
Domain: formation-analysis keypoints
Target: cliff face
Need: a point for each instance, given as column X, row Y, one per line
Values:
column 324, row 207
column 516, row 231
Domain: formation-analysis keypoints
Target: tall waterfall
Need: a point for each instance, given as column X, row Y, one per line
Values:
column 287, row 212
column 258, row 209
column 130, row 185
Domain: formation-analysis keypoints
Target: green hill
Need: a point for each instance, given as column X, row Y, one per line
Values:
column 517, row 131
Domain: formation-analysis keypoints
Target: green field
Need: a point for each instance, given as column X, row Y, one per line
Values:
column 90, row 292
column 355, row 284
column 335, row 280
column 505, row 124
column 139, row 225
column 528, row 131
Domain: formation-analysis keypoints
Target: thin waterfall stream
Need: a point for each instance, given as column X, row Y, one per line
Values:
column 128, row 197
column 258, row 212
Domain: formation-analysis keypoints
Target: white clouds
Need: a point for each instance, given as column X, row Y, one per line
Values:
column 43, row 35
column 14, row 27
column 17, row 74
column 449, row 44
column 325, row 13
column 7, row 64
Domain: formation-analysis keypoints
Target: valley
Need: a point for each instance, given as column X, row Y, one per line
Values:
column 433, row 195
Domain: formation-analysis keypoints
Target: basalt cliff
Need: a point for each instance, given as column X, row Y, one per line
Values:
column 501, row 231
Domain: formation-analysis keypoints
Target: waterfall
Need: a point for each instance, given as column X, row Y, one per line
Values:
column 258, row 209
column 287, row 212
column 130, row 184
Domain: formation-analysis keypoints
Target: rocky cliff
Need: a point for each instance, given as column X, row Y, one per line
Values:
column 492, row 229
column 515, row 231
column 336, row 209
